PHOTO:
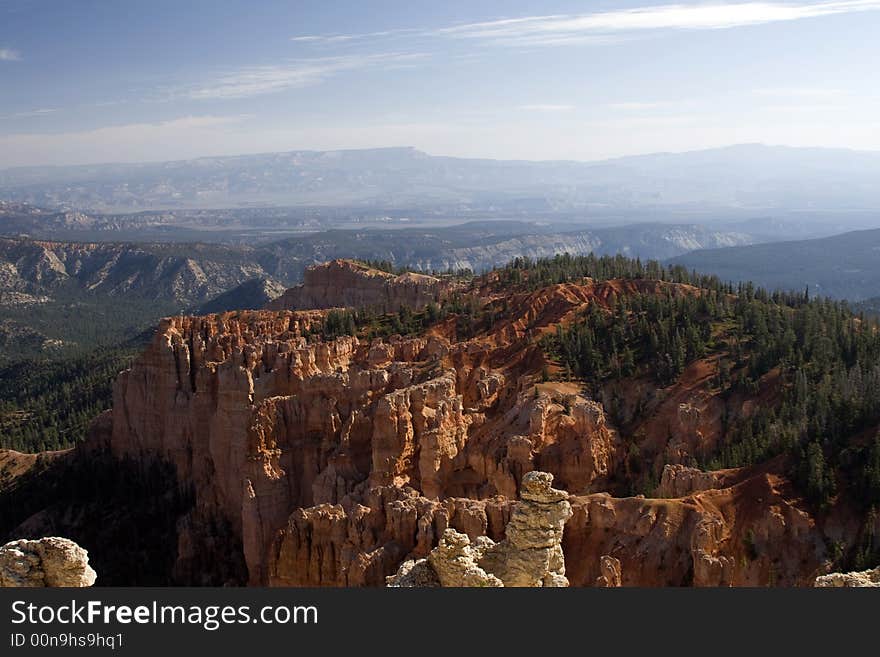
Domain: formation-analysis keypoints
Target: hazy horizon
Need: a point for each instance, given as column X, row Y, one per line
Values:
column 576, row 81
column 724, row 147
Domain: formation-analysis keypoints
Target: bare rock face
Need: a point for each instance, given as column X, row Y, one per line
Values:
column 423, row 426
column 329, row 463
column 746, row 534
column 457, row 562
column 865, row 578
column 414, row 574
column 50, row 561
column 530, row 555
column 360, row 544
column 347, row 284
column 679, row 481
column 610, row 569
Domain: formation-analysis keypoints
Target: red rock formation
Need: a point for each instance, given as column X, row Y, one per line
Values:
column 753, row 533
column 331, row 463
column 344, row 283
column 678, row 481
column 610, row 569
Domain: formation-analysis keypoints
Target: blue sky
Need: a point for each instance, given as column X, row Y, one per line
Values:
column 98, row 81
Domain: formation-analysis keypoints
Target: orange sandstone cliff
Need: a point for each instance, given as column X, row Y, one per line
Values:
column 331, row 463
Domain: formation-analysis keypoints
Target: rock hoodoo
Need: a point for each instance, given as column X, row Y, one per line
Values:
column 50, row 561
column 529, row 556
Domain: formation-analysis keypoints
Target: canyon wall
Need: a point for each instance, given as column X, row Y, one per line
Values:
column 317, row 463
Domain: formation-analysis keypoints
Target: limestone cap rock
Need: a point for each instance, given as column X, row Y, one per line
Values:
column 537, row 486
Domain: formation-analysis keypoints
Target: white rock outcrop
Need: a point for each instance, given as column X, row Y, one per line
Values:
column 864, row 578
column 529, row 556
column 50, row 561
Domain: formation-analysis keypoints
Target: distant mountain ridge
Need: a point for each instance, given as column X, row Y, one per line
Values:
column 192, row 273
column 480, row 246
column 17, row 217
column 742, row 176
column 843, row 266
column 48, row 287
column 182, row 274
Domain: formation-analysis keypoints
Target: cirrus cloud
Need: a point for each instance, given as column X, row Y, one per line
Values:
column 29, row 113
column 555, row 29
column 547, row 108
column 604, row 27
column 258, row 80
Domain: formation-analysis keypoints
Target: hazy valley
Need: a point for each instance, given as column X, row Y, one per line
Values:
column 745, row 176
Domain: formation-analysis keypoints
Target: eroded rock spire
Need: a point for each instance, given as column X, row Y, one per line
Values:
column 530, row 554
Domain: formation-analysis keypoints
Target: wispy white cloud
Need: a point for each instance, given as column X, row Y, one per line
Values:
column 29, row 113
column 546, row 108
column 636, row 106
column 324, row 39
column 807, row 108
column 599, row 28
column 9, row 55
column 800, row 92
column 309, row 38
column 258, row 80
column 329, row 38
column 554, row 29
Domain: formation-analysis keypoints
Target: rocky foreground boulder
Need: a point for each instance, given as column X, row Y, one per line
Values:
column 50, row 561
column 865, row 578
column 529, row 556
